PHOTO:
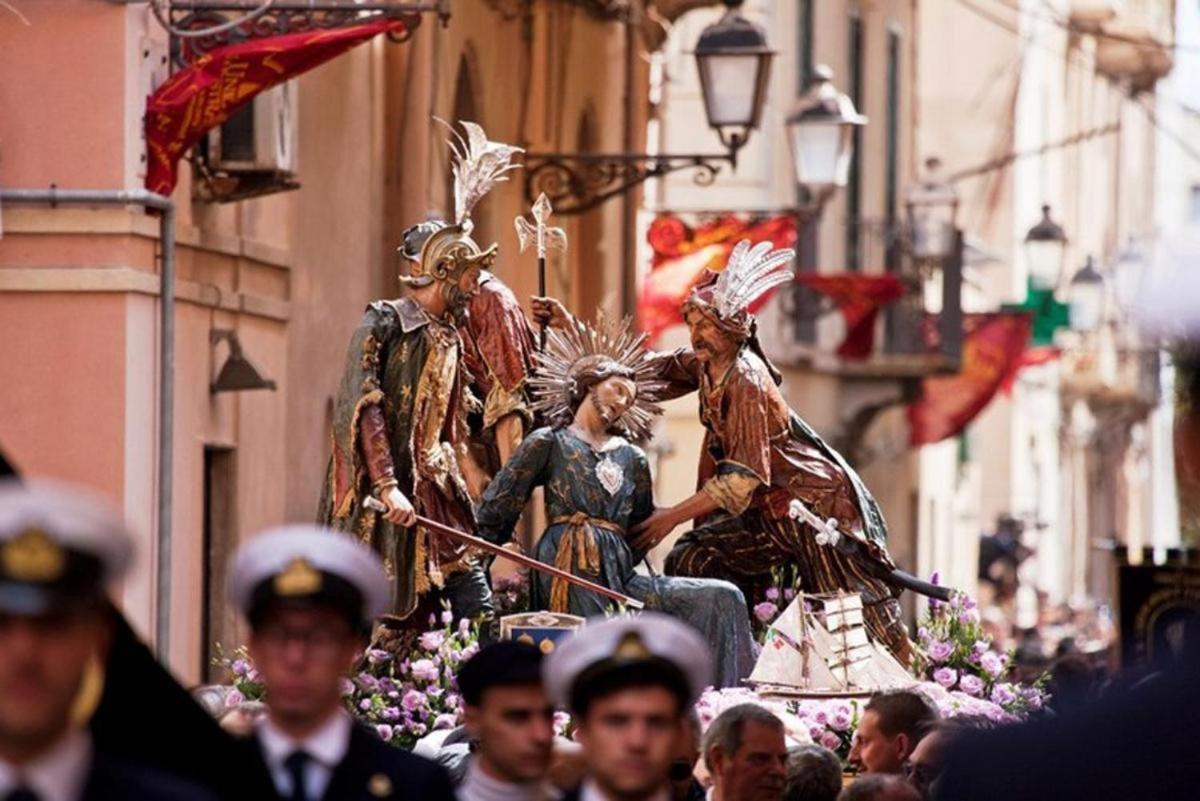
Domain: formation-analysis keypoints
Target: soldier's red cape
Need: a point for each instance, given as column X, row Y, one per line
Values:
column 213, row 88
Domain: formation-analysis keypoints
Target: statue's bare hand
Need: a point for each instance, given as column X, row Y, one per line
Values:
column 400, row 511
column 550, row 313
column 653, row 530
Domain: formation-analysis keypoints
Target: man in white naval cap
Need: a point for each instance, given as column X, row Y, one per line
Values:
column 310, row 595
column 629, row 683
column 59, row 550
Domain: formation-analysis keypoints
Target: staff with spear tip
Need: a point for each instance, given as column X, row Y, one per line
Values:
column 546, row 238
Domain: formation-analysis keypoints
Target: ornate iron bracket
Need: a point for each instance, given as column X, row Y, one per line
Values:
column 286, row 16
column 579, row 182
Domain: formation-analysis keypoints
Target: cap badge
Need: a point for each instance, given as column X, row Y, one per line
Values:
column 298, row 578
column 33, row 556
column 380, row 785
column 631, row 647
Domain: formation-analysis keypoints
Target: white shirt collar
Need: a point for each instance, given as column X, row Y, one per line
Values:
column 60, row 774
column 327, row 744
column 590, row 791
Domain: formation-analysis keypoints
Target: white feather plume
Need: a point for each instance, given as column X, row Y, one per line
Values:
column 479, row 164
column 749, row 273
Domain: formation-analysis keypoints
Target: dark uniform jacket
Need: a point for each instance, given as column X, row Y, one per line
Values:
column 371, row 770
column 118, row 779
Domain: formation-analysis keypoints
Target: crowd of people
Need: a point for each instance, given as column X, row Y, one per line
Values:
column 82, row 703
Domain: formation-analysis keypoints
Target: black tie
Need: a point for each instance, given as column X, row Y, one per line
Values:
column 22, row 793
column 296, row 762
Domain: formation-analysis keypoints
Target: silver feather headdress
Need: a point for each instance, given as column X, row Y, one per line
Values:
column 749, row 273
column 479, row 164
column 571, row 352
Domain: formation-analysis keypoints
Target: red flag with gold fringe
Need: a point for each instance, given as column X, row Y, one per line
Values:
column 992, row 348
column 219, row 83
column 681, row 254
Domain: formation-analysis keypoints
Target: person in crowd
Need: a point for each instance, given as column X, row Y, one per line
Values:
column 1134, row 742
column 684, row 784
column 309, row 595
column 59, row 551
column 629, row 682
column 1072, row 682
column 891, row 726
column 510, row 722
column 746, row 754
column 879, row 788
column 814, row 773
column 925, row 764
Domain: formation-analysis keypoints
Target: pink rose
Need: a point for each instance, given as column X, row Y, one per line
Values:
column 766, row 611
column 971, row 685
column 432, row 640
column 945, row 676
column 939, row 651
column 831, row 741
column 425, row 670
column 992, row 663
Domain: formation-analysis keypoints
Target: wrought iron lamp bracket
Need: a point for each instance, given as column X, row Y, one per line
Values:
column 579, row 182
column 286, row 16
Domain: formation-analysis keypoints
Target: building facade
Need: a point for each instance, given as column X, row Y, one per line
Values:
column 289, row 272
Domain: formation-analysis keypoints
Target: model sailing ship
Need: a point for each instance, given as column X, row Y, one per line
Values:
column 820, row 647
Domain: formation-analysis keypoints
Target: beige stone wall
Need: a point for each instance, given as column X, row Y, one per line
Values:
column 290, row 273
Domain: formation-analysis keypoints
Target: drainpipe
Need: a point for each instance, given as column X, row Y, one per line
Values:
column 166, row 364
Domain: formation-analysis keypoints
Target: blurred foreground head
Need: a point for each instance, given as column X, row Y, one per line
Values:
column 629, row 682
column 60, row 548
column 507, row 713
column 309, row 594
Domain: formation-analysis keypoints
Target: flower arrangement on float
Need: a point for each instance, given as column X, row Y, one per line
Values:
column 962, row 659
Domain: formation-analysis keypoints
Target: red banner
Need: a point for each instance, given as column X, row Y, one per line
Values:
column 1033, row 357
column 993, row 345
column 209, row 92
column 681, row 255
column 859, row 298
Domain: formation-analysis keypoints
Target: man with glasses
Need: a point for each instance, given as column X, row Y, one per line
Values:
column 310, row 595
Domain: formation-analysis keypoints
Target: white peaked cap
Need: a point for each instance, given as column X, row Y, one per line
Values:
column 621, row 641
column 74, row 518
column 274, row 552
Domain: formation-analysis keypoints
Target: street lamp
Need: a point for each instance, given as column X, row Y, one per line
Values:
column 1085, row 297
column 820, row 132
column 1128, row 272
column 932, row 206
column 734, row 62
column 1045, row 248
